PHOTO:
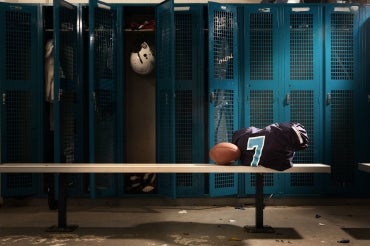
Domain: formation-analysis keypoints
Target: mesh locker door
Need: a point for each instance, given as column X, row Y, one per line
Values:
column 68, row 102
column 165, row 93
column 223, row 87
column 21, row 97
column 341, row 80
column 189, row 87
column 262, row 67
column 302, row 101
column 365, row 96
column 103, row 96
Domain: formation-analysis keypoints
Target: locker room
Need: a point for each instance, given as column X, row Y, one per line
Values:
column 221, row 67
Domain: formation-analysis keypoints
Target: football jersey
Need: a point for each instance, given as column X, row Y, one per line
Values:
column 273, row 146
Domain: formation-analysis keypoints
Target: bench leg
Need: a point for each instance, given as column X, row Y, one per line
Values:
column 62, row 208
column 259, row 209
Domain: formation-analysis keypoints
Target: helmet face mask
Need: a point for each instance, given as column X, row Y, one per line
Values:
column 142, row 61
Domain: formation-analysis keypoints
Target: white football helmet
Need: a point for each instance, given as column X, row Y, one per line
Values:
column 143, row 61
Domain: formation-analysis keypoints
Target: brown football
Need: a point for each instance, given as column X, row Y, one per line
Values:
column 224, row 153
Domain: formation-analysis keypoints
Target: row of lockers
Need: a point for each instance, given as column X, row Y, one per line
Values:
column 218, row 68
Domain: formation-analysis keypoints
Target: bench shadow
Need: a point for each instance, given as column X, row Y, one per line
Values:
column 358, row 233
column 167, row 232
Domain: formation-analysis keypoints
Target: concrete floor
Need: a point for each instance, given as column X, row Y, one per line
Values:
column 162, row 222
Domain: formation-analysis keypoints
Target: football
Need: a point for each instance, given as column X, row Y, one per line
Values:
column 224, row 153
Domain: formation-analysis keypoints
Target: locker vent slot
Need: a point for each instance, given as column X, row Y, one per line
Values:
column 184, row 126
column 184, row 180
column 223, row 180
column 301, row 47
column 342, row 46
column 302, row 111
column 261, row 46
column 183, row 43
column 342, row 135
column 18, row 181
column 18, row 125
column 223, row 25
column 18, row 45
column 223, row 115
column 104, row 56
column 261, row 108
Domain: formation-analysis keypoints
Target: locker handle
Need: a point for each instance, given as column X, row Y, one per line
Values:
column 94, row 101
column 288, row 99
column 4, row 98
column 60, row 93
column 212, row 97
column 328, row 99
column 368, row 99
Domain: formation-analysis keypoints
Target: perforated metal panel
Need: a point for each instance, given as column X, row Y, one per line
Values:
column 223, row 86
column 104, row 140
column 68, row 83
column 301, row 46
column 189, row 95
column 302, row 111
column 342, row 135
column 261, row 46
column 165, row 93
column 341, row 86
column 18, row 58
column 21, row 97
column 261, row 115
column 342, row 46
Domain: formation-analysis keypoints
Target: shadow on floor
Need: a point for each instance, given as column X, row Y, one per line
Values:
column 358, row 233
column 168, row 232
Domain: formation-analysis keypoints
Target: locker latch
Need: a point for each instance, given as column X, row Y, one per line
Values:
column 288, row 99
column 328, row 99
column 212, row 97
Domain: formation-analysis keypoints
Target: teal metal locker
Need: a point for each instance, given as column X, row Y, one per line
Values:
column 223, row 110
column 21, row 77
column 165, row 94
column 189, row 101
column 262, row 84
column 341, row 83
column 284, row 77
column 105, row 97
column 301, row 99
column 68, row 90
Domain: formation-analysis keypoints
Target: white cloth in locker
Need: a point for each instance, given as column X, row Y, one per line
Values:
column 49, row 71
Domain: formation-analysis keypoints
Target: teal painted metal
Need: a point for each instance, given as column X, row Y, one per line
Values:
column 223, row 87
column 341, row 94
column 103, row 94
column 301, row 99
column 262, row 76
column 20, row 77
column 284, row 82
column 165, row 93
column 189, row 88
column 68, row 90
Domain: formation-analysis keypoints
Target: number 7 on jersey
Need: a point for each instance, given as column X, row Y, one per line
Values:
column 256, row 144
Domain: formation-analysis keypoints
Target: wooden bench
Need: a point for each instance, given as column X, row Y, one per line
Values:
column 364, row 167
column 64, row 168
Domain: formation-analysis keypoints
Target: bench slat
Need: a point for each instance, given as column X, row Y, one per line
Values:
column 152, row 168
column 364, row 167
